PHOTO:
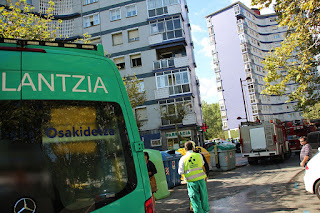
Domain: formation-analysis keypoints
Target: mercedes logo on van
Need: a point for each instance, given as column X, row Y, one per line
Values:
column 25, row 205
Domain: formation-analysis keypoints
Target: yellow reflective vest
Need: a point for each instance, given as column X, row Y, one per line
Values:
column 193, row 170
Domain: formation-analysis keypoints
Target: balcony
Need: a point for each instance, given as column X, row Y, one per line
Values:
column 161, row 93
column 167, row 37
column 190, row 118
column 171, row 62
column 164, row 63
column 174, row 9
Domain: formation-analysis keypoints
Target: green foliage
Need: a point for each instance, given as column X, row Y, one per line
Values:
column 136, row 96
column 212, row 117
column 133, row 87
column 312, row 112
column 294, row 61
column 18, row 22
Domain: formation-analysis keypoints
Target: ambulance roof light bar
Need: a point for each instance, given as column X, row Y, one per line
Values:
column 23, row 43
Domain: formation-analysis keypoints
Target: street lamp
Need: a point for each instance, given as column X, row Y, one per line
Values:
column 244, row 101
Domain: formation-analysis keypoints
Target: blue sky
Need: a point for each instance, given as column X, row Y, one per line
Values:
column 198, row 9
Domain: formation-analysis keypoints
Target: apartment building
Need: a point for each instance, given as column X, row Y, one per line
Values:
column 150, row 39
column 240, row 38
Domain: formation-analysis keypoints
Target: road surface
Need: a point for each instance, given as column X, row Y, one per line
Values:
column 267, row 187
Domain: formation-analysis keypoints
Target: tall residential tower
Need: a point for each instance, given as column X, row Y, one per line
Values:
column 240, row 38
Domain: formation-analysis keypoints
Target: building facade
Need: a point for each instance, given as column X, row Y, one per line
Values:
column 240, row 38
column 149, row 39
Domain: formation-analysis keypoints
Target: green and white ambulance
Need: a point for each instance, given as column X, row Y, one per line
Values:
column 68, row 137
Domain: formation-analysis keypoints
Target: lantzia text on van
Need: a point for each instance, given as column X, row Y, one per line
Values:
column 79, row 83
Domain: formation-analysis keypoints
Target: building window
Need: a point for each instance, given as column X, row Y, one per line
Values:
column 254, row 109
column 240, row 28
column 135, row 60
column 218, row 76
column 212, row 39
column 115, row 14
column 133, row 35
column 219, row 86
column 252, row 98
column 211, row 32
column 157, row 26
column 177, row 81
column 131, row 10
column 156, row 142
column 250, row 88
column 119, row 62
column 170, row 27
column 224, row 124
column 29, row 2
column 117, row 39
column 276, row 36
column 222, row 105
column 91, row 20
column 60, row 7
column 236, row 9
column 223, row 114
column 247, row 68
column 244, row 48
column 170, row 107
column 215, row 58
column 89, row 1
column 173, row 28
column 245, row 57
column 159, row 7
column 140, row 85
column 65, row 28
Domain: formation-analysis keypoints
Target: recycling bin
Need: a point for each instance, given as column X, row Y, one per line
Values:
column 156, row 157
column 167, row 163
column 226, row 159
column 175, row 165
column 214, row 158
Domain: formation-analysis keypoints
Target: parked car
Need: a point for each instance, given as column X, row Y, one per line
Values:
column 312, row 175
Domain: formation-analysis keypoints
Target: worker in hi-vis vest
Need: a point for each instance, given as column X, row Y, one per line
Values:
column 191, row 165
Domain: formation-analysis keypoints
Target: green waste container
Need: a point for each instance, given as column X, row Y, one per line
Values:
column 156, row 157
column 226, row 157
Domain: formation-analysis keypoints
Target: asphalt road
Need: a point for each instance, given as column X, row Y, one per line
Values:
column 267, row 187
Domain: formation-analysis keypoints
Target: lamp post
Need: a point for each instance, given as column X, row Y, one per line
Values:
column 244, row 101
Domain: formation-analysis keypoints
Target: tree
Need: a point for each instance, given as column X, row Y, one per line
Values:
column 212, row 117
column 294, row 61
column 136, row 96
column 175, row 115
column 19, row 22
column 312, row 112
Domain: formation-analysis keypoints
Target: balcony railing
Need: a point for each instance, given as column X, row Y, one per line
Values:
column 164, row 63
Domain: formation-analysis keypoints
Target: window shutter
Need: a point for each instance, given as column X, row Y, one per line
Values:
column 135, row 56
column 133, row 35
column 118, row 60
column 117, row 39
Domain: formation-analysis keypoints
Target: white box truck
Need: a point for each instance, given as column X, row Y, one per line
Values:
column 263, row 140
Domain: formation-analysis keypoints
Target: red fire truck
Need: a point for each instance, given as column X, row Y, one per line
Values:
column 296, row 129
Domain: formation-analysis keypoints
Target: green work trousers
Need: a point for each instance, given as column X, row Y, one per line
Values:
column 198, row 195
